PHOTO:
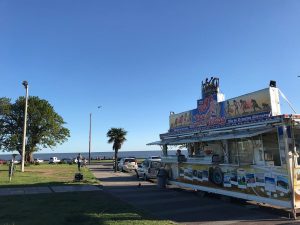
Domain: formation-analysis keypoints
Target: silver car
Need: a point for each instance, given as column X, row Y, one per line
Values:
column 127, row 164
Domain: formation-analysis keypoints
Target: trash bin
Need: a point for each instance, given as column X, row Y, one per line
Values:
column 162, row 176
column 78, row 177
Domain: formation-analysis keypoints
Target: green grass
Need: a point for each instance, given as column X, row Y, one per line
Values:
column 45, row 174
column 71, row 208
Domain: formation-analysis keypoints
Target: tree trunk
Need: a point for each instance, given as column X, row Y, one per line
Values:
column 29, row 157
column 116, row 160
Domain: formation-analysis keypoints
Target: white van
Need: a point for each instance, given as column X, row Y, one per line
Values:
column 54, row 160
column 148, row 169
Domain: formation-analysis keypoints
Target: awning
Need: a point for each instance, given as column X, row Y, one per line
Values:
column 163, row 142
column 214, row 137
column 236, row 135
column 156, row 143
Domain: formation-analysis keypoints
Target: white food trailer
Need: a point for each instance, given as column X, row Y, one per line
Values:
column 242, row 147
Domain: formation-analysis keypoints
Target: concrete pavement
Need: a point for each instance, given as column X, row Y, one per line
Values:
column 184, row 206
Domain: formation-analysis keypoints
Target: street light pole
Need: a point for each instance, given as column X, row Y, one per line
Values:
column 25, row 83
column 90, row 138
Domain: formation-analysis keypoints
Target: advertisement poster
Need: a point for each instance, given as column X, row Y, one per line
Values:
column 251, row 103
column 241, row 178
column 180, row 119
column 188, row 174
column 208, row 113
column 250, row 180
column 260, row 179
column 195, row 175
column 234, row 178
column 282, row 184
column 249, row 108
column 181, row 172
column 254, row 180
column 205, row 175
column 270, row 184
column 227, row 180
column 200, row 175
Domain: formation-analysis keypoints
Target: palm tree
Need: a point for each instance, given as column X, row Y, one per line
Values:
column 117, row 137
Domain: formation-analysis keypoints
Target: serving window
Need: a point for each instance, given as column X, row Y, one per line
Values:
column 245, row 148
column 271, row 148
column 262, row 149
column 240, row 151
column 297, row 142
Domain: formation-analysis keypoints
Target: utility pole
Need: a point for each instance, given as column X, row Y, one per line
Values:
column 25, row 84
column 90, row 138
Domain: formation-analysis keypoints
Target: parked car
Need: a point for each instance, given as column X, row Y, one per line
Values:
column 2, row 161
column 38, row 160
column 16, row 161
column 54, row 160
column 148, row 169
column 127, row 164
column 67, row 160
column 154, row 157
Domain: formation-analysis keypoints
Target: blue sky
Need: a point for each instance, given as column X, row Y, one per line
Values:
column 140, row 60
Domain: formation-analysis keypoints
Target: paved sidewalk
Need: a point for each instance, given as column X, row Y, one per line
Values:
column 47, row 189
column 182, row 206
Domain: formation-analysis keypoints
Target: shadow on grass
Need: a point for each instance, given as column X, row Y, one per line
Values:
column 47, row 184
column 71, row 208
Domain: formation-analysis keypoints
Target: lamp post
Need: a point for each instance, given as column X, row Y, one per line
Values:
column 25, row 84
column 90, row 136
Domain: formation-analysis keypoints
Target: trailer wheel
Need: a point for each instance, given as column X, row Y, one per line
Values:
column 217, row 176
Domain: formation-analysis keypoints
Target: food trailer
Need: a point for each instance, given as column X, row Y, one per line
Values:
column 241, row 147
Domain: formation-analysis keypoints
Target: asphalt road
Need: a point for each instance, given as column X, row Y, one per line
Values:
column 185, row 206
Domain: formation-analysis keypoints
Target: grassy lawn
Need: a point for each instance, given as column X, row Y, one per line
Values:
column 45, row 174
column 70, row 208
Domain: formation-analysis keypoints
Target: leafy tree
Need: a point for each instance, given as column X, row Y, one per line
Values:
column 117, row 137
column 44, row 126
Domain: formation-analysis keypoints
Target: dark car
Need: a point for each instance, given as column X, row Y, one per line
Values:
column 67, row 160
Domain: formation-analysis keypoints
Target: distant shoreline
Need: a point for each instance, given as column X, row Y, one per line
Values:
column 101, row 155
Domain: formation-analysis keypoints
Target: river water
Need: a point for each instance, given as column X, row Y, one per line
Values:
column 107, row 155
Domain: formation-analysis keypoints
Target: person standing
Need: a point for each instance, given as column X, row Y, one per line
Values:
column 79, row 159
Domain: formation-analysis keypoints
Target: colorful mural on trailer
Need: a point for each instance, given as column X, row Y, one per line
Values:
column 257, row 181
column 210, row 113
column 252, row 103
column 180, row 119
